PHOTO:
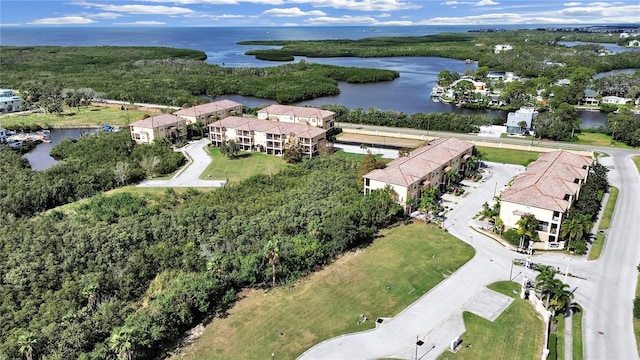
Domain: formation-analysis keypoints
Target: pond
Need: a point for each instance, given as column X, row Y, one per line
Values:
column 39, row 157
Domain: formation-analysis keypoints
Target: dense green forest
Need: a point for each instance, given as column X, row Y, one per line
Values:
column 124, row 275
column 92, row 164
column 533, row 50
column 167, row 76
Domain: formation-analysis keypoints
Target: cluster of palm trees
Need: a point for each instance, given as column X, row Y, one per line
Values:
column 575, row 228
column 555, row 294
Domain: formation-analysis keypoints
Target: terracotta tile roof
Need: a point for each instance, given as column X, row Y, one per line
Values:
column 297, row 111
column 209, row 108
column 548, row 180
column 421, row 162
column 270, row 127
column 159, row 120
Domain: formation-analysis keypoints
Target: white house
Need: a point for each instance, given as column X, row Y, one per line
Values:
column 526, row 114
column 3, row 135
column 168, row 126
column 634, row 43
column 505, row 76
column 9, row 102
column 502, row 47
column 616, row 100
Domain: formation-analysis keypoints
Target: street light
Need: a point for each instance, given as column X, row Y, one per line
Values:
column 418, row 343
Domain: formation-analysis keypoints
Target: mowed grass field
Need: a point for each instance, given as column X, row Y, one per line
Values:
column 74, row 117
column 518, row 333
column 379, row 280
column 508, row 156
column 597, row 139
column 242, row 167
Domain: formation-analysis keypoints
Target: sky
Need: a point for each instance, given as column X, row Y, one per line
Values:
column 184, row 13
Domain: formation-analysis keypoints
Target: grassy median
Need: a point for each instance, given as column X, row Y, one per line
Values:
column 605, row 222
column 518, row 333
column 380, row 280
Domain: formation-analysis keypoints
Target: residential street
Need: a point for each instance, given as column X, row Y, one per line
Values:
column 605, row 288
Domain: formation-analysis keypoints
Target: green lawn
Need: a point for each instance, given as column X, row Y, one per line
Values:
column 636, row 160
column 85, row 116
column 560, row 337
column 518, row 333
column 597, row 139
column 244, row 166
column 605, row 222
column 576, row 328
column 508, row 156
column 380, row 280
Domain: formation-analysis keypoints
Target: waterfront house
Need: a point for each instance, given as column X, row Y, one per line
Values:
column 634, row 43
column 590, row 98
column 615, row 100
column 168, row 126
column 210, row 112
column 547, row 189
column 299, row 115
column 526, row 114
column 424, row 168
column 9, row 102
column 271, row 137
column 505, row 76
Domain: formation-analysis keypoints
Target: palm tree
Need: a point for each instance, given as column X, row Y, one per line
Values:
column 27, row 342
column 526, row 228
column 545, row 281
column 121, row 342
column 272, row 252
column 571, row 228
column 560, row 295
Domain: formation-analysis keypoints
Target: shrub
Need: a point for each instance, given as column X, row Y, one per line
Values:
column 512, row 237
column 636, row 307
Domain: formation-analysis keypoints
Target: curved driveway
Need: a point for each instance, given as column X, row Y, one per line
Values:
column 190, row 175
column 605, row 288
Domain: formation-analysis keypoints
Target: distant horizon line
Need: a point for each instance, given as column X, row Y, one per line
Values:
column 486, row 26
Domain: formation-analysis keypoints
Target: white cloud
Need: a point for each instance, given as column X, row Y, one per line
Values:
column 218, row 2
column 472, row 3
column 292, row 12
column 347, row 19
column 573, row 3
column 361, row 5
column 383, row 15
column 142, row 23
column 486, row 2
column 65, row 20
column 10, row 24
column 138, row 9
column 612, row 13
column 104, row 15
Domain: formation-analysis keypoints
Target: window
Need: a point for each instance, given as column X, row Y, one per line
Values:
column 367, row 182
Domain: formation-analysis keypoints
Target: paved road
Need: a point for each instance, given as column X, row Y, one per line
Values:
column 605, row 288
column 397, row 337
column 189, row 176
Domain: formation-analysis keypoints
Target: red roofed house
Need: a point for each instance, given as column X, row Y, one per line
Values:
column 299, row 115
column 169, row 126
column 210, row 112
column 266, row 136
column 547, row 189
column 425, row 167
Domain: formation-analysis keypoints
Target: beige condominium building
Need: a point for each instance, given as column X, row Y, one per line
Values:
column 425, row 167
column 299, row 115
column 271, row 137
column 169, row 126
column 210, row 112
column 547, row 189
